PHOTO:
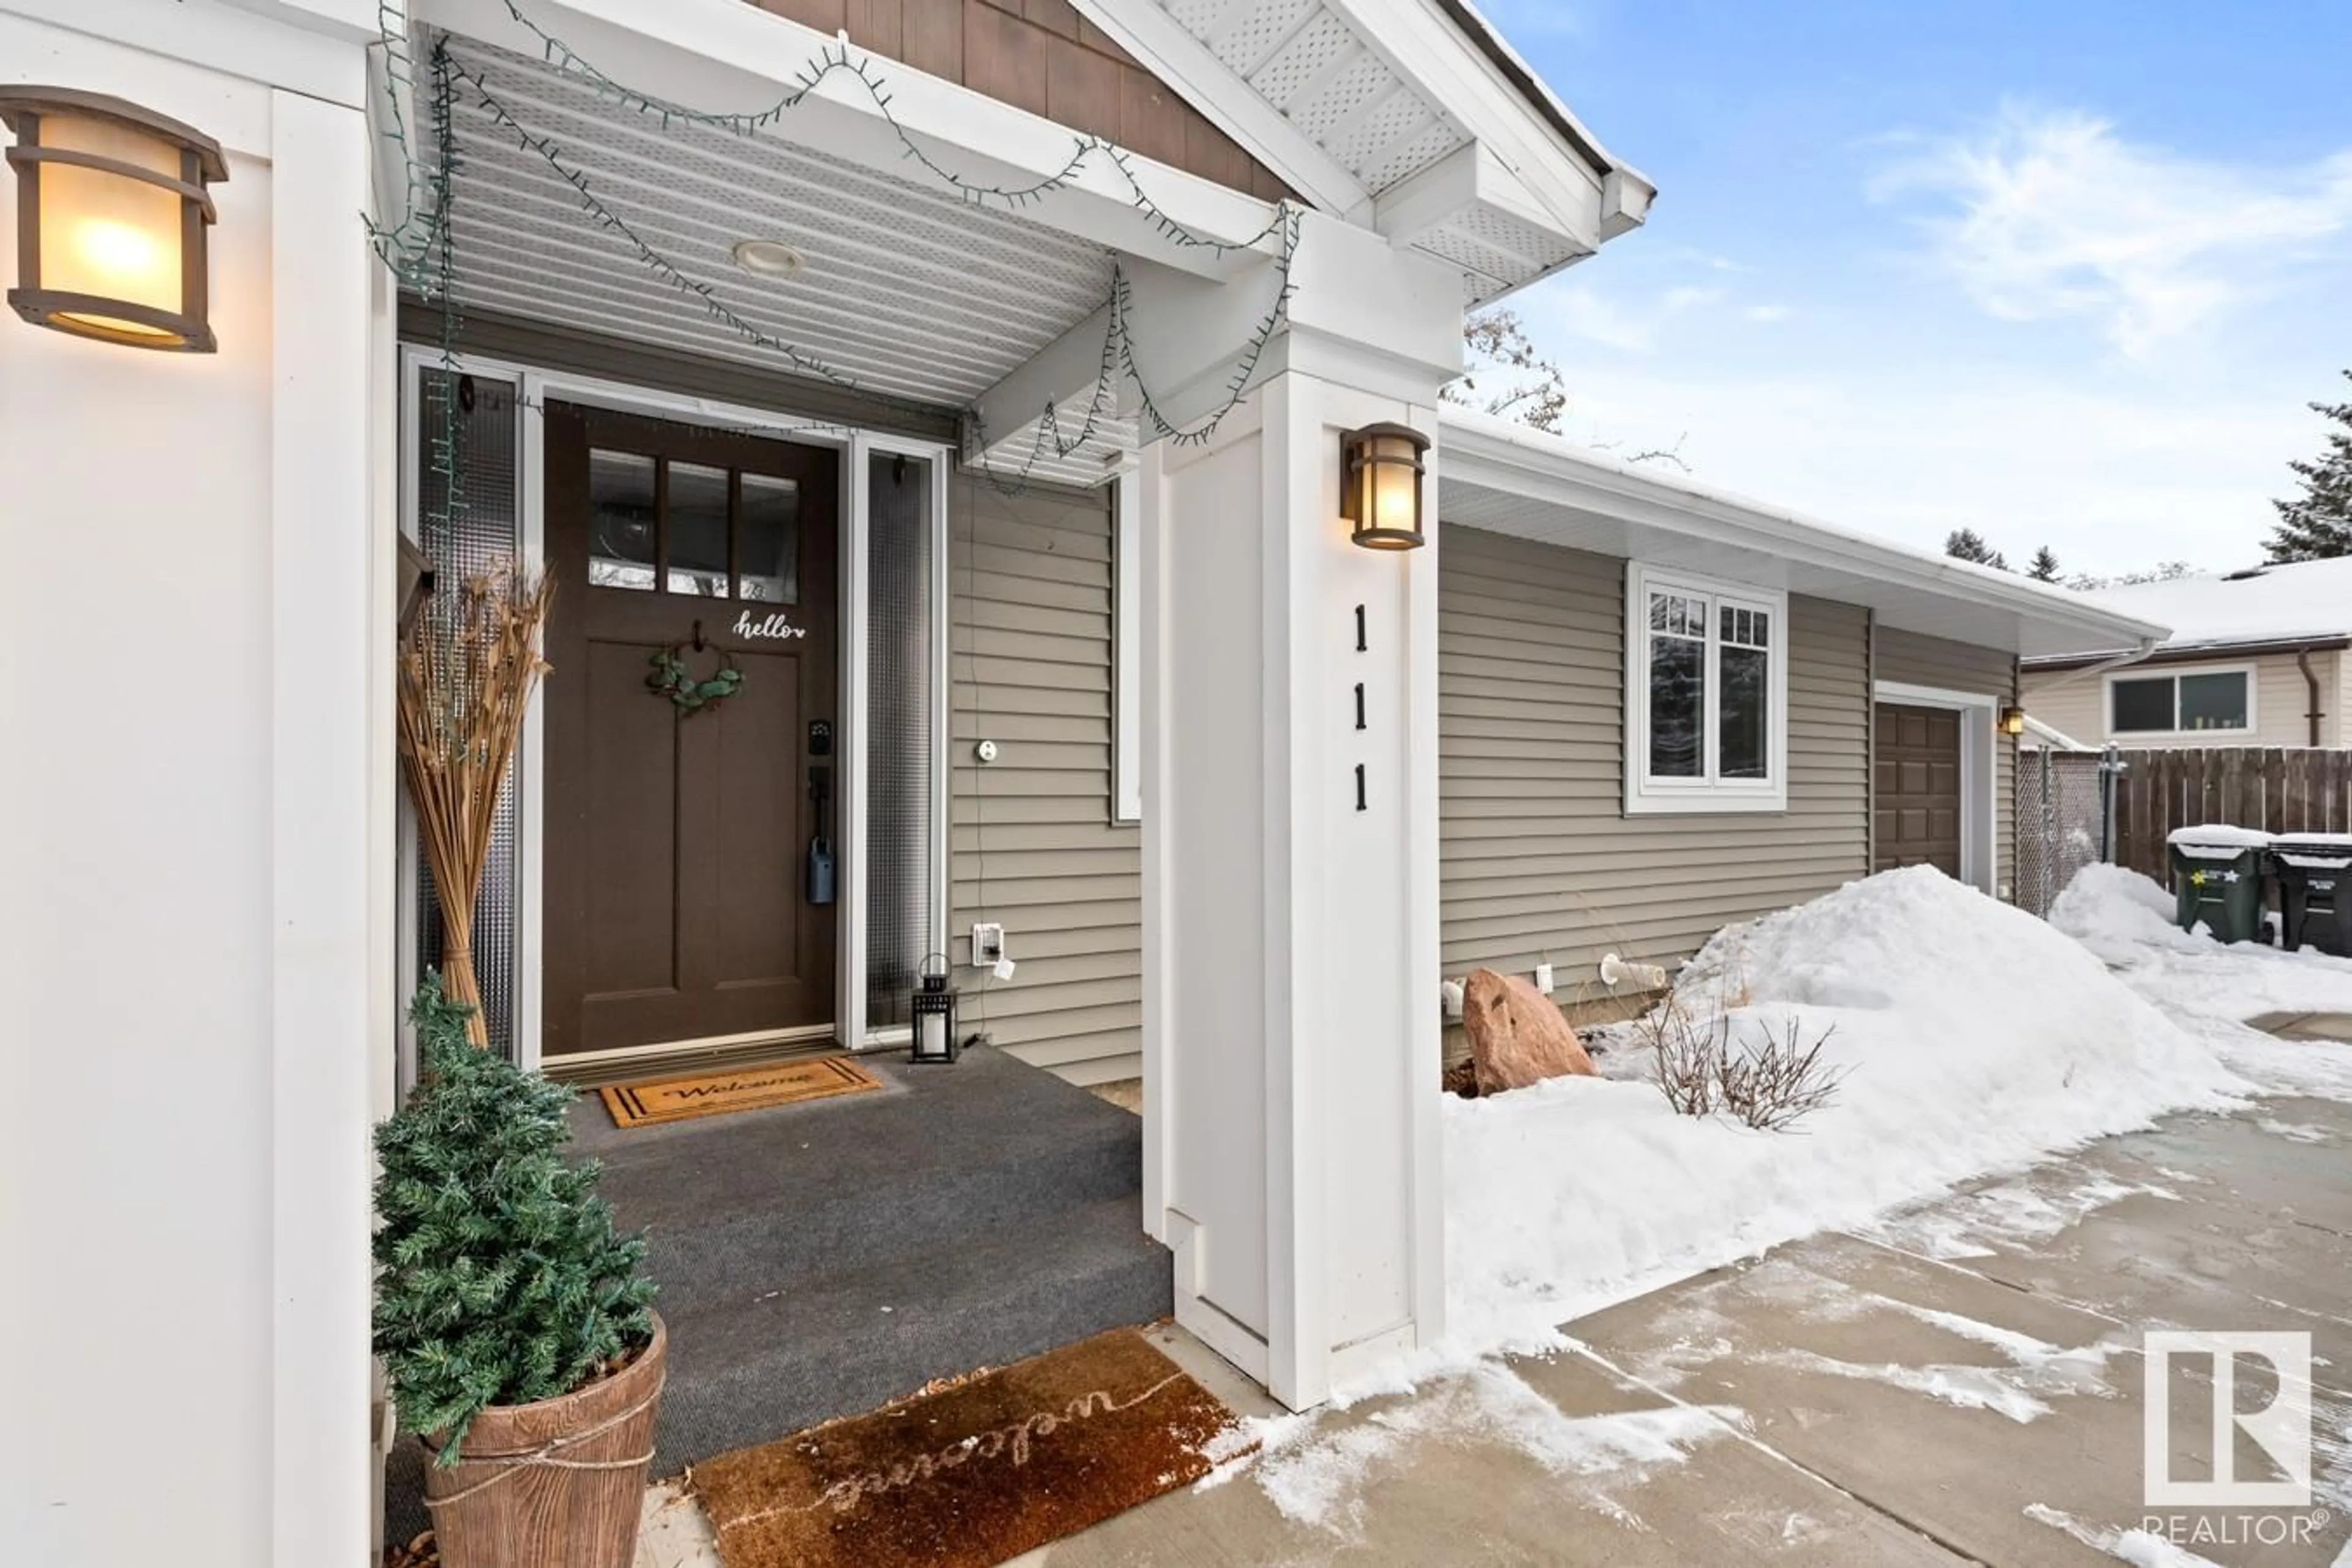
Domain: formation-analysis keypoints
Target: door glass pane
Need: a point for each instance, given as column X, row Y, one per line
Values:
column 697, row 531
column 1677, row 687
column 2144, row 705
column 2213, row 702
column 620, row 522
column 769, row 533
column 1747, row 711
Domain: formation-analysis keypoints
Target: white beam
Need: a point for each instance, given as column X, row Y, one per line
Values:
column 723, row 56
column 1183, row 62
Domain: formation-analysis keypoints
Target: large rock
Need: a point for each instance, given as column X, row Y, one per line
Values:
column 1516, row 1036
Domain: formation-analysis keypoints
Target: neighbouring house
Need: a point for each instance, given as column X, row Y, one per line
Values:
column 999, row 387
column 1663, row 707
column 2255, row 657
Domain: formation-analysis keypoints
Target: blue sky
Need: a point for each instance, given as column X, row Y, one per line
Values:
column 2065, row 272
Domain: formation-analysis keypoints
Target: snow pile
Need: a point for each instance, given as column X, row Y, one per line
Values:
column 1976, row 1037
column 2213, row 991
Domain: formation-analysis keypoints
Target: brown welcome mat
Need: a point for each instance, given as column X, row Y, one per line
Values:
column 738, row 1089
column 969, row 1475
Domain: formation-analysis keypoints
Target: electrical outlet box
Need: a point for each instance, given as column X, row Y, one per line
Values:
column 987, row 944
column 1543, row 978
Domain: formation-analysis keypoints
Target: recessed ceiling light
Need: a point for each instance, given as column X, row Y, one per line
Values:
column 769, row 258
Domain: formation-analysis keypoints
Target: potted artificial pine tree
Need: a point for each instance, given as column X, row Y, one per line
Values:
column 511, row 1320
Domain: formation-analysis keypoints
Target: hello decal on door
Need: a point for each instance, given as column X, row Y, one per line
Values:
column 773, row 626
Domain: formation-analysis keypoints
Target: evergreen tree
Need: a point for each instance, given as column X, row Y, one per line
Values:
column 2045, row 568
column 503, row 1280
column 2318, row 524
column 1967, row 544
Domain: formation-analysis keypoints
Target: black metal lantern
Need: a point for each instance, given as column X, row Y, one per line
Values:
column 2013, row 721
column 1379, row 484
column 112, row 212
column 933, row 1006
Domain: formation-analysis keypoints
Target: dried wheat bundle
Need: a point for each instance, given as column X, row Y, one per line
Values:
column 468, row 669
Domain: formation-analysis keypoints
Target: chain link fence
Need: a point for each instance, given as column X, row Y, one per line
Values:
column 2066, row 820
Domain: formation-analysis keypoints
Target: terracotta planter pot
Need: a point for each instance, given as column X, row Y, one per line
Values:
column 558, row 1484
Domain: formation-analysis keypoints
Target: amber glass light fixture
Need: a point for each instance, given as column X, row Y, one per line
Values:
column 111, row 214
column 2013, row 721
column 1379, row 484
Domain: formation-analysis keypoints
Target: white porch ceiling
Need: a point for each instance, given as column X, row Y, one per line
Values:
column 909, row 290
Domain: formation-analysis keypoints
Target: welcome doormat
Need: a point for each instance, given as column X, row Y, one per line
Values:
column 663, row 1099
column 972, row 1474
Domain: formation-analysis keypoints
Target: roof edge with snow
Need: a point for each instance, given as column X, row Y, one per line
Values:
column 1504, row 477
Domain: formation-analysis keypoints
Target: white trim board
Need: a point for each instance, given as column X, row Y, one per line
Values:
column 1980, row 770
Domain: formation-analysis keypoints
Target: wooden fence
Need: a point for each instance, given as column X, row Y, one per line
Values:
column 2277, row 789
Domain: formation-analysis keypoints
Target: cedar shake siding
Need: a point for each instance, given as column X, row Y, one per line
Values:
column 1031, row 840
column 1910, row 659
column 1041, row 56
column 1539, row 860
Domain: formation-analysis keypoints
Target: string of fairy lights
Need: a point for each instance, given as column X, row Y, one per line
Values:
column 421, row 249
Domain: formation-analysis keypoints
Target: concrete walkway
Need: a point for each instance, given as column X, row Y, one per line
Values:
column 1961, row 1385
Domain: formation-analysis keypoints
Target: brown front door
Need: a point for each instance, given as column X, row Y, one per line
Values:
column 678, row 843
column 1919, row 788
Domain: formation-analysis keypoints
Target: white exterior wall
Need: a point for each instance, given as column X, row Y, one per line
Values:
column 198, row 801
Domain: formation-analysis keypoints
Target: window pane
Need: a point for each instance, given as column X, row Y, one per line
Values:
column 2144, row 705
column 1745, row 724
column 1677, row 705
column 770, row 530
column 620, row 520
column 2213, row 702
column 697, row 531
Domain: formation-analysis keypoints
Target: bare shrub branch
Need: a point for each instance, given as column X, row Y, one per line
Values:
column 1704, row 1070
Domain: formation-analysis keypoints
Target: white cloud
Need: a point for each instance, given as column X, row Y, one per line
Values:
column 1767, row 314
column 2113, row 477
column 2052, row 213
column 1627, row 325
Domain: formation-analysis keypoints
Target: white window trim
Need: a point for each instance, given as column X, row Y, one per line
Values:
column 1126, row 645
column 1979, row 774
column 1645, row 796
column 2173, row 672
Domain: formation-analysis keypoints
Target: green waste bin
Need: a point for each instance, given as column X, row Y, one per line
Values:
column 2217, row 878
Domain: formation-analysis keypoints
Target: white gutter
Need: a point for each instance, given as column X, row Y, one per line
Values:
column 1480, row 449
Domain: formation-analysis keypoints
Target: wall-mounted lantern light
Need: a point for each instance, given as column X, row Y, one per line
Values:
column 1379, row 484
column 933, row 1005
column 112, row 212
column 2013, row 721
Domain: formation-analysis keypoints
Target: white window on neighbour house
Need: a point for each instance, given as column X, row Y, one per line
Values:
column 2205, row 701
column 1706, row 694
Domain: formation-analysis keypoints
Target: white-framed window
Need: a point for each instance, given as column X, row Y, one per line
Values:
column 2200, row 700
column 1706, row 694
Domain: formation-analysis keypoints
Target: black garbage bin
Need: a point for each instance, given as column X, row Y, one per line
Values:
column 2217, row 878
column 2315, row 877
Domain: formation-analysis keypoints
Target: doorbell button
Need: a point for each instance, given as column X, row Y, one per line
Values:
column 985, row 751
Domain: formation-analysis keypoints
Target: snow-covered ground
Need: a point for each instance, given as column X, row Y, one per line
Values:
column 1974, row 1037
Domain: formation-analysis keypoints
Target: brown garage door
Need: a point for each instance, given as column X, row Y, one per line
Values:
column 1919, row 788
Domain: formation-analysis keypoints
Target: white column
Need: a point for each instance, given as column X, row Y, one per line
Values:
column 1290, row 934
column 330, row 552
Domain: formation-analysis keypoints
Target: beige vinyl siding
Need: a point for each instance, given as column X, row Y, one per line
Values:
column 2076, row 703
column 1912, row 659
column 1030, row 839
column 1538, row 862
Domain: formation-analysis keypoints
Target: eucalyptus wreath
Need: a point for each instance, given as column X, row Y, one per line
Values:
column 670, row 678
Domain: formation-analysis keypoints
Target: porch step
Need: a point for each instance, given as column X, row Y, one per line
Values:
column 749, row 1368
column 820, row 1259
